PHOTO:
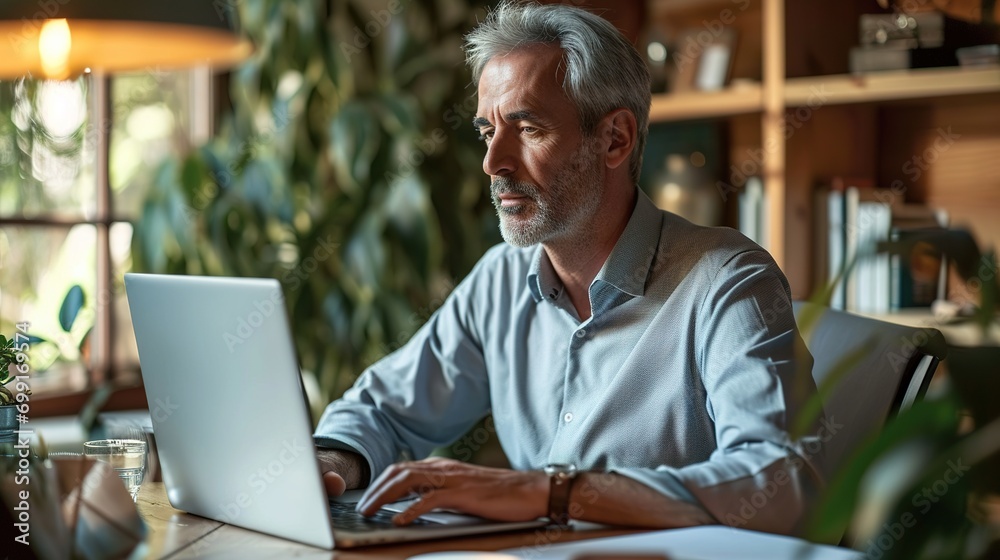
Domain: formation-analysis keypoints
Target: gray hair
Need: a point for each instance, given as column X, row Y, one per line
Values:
column 603, row 70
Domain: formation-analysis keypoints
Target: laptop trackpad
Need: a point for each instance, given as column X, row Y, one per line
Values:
column 441, row 516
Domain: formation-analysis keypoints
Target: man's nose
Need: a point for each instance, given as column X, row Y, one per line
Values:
column 501, row 155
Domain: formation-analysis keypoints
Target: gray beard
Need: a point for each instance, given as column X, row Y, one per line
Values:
column 566, row 205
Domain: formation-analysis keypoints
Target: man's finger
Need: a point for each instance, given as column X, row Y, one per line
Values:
column 423, row 505
column 407, row 481
column 334, row 484
column 383, row 480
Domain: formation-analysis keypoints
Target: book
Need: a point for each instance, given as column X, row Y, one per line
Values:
column 835, row 235
column 753, row 211
column 869, row 281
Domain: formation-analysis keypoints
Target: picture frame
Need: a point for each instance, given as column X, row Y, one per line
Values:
column 703, row 59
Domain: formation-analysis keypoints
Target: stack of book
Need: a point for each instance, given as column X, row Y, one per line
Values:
column 851, row 219
column 753, row 211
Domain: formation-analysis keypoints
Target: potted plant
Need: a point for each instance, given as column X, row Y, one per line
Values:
column 8, row 409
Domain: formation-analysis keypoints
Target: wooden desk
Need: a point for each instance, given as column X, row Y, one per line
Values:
column 180, row 535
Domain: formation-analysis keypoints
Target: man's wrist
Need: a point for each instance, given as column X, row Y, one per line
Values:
column 561, row 478
column 351, row 466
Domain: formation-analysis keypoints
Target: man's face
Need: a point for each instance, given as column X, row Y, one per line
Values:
column 547, row 178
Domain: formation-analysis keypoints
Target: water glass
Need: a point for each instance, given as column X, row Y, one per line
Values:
column 126, row 456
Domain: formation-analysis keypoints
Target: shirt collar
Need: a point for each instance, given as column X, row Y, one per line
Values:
column 628, row 264
column 542, row 278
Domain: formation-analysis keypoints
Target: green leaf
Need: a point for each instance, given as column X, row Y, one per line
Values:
column 93, row 406
column 930, row 421
column 192, row 174
column 154, row 227
column 399, row 114
column 354, row 142
column 410, row 215
column 71, row 306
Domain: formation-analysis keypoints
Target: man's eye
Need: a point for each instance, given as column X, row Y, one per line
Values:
column 486, row 135
column 529, row 129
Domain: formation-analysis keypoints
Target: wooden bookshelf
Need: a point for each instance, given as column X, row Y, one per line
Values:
column 742, row 100
column 796, row 118
column 892, row 86
column 828, row 90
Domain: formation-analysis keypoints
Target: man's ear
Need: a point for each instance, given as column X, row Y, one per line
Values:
column 618, row 129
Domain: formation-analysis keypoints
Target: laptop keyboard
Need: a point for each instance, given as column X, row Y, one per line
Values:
column 345, row 518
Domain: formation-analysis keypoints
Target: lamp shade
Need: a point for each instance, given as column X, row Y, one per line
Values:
column 59, row 39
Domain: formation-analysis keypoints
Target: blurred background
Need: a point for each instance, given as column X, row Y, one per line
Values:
column 339, row 158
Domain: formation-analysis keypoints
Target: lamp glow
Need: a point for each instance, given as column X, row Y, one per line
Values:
column 112, row 36
column 54, row 45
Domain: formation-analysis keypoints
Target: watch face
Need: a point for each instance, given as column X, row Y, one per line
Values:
column 560, row 468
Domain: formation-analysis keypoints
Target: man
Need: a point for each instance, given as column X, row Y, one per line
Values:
column 606, row 336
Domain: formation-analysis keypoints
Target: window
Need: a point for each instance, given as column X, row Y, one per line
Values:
column 77, row 159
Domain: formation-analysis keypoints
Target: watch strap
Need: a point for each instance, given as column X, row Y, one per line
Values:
column 560, row 485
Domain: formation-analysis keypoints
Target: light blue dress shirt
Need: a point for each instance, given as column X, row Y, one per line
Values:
column 684, row 377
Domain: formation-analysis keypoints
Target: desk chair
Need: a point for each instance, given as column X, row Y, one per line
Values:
column 891, row 366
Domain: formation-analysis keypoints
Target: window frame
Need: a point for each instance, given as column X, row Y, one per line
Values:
column 101, row 369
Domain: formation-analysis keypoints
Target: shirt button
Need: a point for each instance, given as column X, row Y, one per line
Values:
column 568, row 417
column 581, row 333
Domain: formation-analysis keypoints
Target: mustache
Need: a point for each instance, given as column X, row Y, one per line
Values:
column 506, row 185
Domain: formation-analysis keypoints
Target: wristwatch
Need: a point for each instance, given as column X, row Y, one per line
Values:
column 561, row 478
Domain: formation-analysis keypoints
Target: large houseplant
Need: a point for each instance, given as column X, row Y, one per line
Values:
column 920, row 488
column 346, row 168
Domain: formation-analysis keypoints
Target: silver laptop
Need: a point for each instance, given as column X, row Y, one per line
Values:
column 231, row 423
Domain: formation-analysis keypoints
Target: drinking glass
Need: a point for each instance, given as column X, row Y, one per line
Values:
column 126, row 456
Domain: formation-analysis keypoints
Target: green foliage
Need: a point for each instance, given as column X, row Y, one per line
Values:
column 71, row 306
column 346, row 168
column 12, row 355
column 913, row 490
column 8, row 357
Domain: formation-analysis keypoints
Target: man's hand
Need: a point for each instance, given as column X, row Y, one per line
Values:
column 342, row 470
column 499, row 494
